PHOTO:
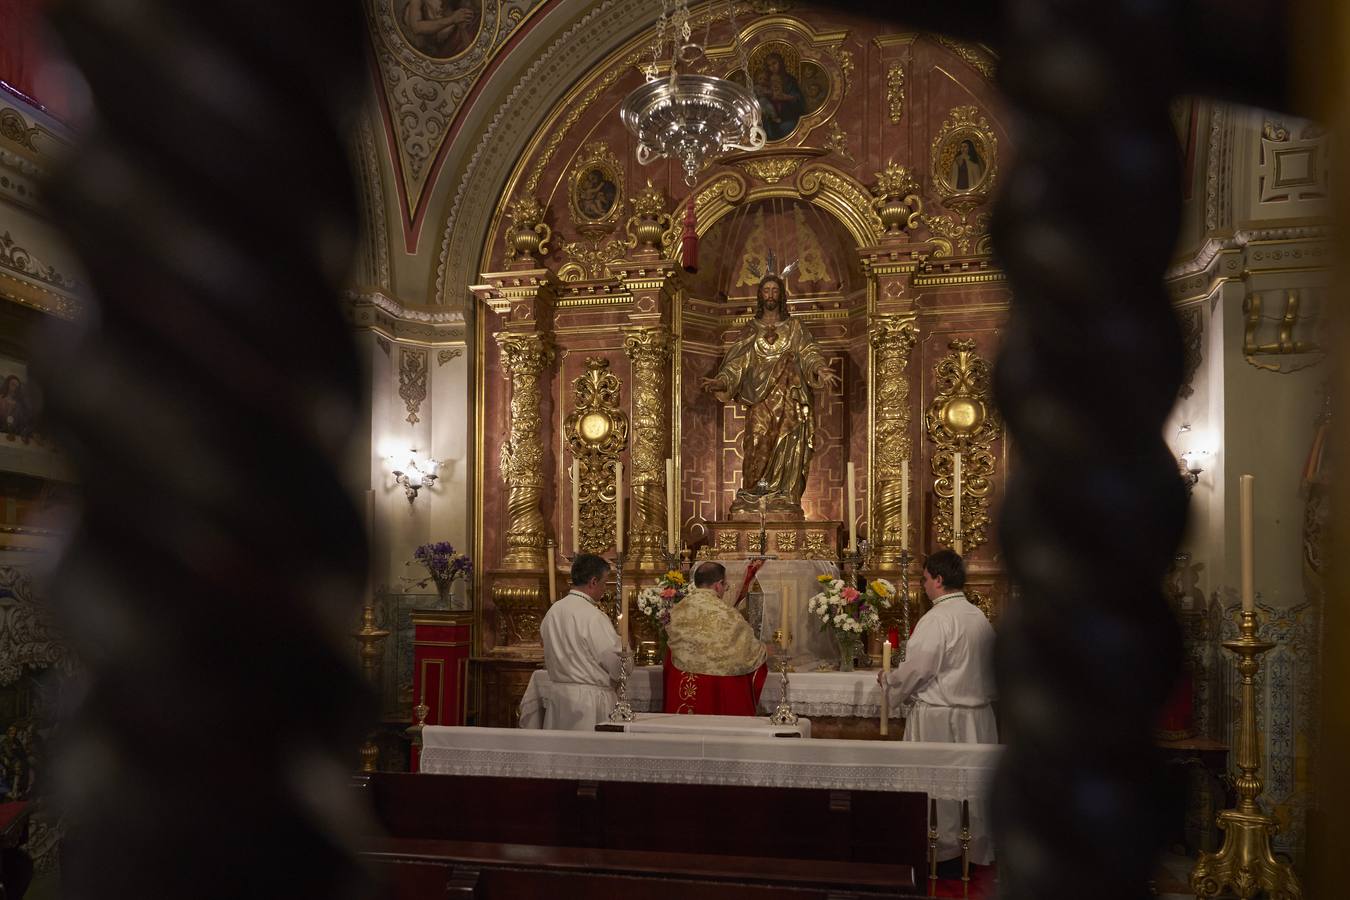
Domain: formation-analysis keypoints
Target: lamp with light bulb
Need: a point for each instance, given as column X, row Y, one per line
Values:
column 416, row 475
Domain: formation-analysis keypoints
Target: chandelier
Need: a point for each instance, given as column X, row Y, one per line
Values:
column 689, row 117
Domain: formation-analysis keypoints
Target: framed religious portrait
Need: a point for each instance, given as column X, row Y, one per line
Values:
column 965, row 159
column 440, row 29
column 595, row 189
column 788, row 88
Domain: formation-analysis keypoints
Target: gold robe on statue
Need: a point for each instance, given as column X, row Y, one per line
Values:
column 772, row 369
column 708, row 637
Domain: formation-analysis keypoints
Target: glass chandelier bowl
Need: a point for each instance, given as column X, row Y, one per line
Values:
column 692, row 118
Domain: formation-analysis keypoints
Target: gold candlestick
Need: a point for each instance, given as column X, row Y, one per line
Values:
column 965, row 848
column 1245, row 863
column 932, row 847
column 371, row 640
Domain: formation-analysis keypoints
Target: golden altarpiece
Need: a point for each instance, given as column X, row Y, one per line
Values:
column 593, row 341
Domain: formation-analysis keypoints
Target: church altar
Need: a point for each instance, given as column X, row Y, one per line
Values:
column 942, row 771
column 814, row 694
column 674, row 723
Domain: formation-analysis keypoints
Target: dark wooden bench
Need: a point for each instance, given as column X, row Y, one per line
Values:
column 422, row 869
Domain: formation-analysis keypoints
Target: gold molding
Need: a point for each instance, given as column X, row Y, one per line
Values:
column 966, row 125
column 962, row 419
column 649, row 349
column 596, row 431
column 892, row 338
column 524, row 359
column 595, row 155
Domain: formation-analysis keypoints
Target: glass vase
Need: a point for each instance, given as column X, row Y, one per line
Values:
column 850, row 648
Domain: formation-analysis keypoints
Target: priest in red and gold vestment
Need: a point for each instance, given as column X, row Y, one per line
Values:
column 716, row 664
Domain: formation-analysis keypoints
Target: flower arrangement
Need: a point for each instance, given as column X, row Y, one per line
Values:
column 444, row 566
column 654, row 602
column 848, row 613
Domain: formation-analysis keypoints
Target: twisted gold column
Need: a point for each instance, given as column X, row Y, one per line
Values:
column 893, row 337
column 524, row 357
column 649, row 349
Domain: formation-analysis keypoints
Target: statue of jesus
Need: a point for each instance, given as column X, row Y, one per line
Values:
column 773, row 369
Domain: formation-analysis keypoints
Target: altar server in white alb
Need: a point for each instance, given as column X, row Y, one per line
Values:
column 947, row 680
column 581, row 651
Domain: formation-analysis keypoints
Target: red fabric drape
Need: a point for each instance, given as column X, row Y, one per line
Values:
column 712, row 695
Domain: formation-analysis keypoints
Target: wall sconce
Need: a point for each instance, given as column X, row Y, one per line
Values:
column 1190, row 466
column 416, row 475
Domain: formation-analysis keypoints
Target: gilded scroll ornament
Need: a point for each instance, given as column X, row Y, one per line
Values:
column 964, row 160
column 962, row 419
column 596, row 433
column 954, row 237
column 13, row 127
column 895, row 91
column 836, row 139
column 814, row 546
column 1192, row 333
column 595, row 190
column 649, row 349
column 977, row 57
column 444, row 356
column 412, row 380
column 528, row 236
column 897, row 198
column 587, row 260
column 524, row 359
column 520, row 612
column 773, row 170
column 893, row 338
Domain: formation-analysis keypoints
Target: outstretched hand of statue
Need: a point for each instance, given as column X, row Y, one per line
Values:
column 825, row 375
column 714, row 384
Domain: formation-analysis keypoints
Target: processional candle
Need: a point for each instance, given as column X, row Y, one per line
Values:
column 1245, row 485
column 956, row 502
column 576, row 506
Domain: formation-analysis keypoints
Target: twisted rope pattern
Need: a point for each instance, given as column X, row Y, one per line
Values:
column 206, row 404
column 1087, row 374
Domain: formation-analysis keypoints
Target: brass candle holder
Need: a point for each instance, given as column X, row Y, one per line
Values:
column 623, row 710
column 782, row 713
column 371, row 640
column 932, row 847
column 1245, row 864
column 965, row 848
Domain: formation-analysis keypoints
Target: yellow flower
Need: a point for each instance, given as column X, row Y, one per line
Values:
column 881, row 589
column 674, row 577
column 824, row 579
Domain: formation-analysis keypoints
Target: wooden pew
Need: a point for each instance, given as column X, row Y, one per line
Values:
column 774, row 823
column 423, row 869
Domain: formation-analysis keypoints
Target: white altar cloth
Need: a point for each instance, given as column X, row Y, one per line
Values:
column 814, row 694
column 943, row 771
column 675, row 723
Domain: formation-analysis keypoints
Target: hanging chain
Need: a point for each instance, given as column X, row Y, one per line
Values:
column 741, row 56
column 653, row 69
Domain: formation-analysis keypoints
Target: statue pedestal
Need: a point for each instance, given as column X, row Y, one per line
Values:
column 786, row 540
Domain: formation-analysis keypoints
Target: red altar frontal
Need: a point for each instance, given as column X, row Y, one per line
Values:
column 441, row 644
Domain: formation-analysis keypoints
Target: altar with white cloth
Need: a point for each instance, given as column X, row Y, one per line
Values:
column 942, row 771
column 813, row 694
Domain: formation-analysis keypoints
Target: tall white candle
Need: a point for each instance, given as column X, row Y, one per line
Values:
column 618, row 507
column 849, row 514
column 782, row 619
column 552, row 571
column 904, row 504
column 956, row 502
column 576, row 506
column 671, row 515
column 1246, row 484
column 885, row 692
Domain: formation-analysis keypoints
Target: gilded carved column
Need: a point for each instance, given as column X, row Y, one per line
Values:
column 893, row 337
column 524, row 358
column 649, row 349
